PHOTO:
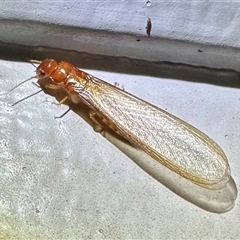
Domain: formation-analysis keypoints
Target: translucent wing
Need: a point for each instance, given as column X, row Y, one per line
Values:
column 169, row 140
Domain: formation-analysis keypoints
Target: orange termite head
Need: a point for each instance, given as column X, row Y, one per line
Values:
column 46, row 68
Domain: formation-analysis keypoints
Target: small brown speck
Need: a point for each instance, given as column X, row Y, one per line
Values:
column 149, row 27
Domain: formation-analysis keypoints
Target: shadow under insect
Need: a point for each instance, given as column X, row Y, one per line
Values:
column 217, row 201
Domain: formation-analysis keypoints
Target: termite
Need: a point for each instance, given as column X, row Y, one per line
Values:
column 167, row 139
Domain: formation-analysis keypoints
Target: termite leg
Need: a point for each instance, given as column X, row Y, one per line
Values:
column 111, row 126
column 53, row 86
column 98, row 127
column 36, row 84
column 63, row 114
column 62, row 101
column 116, row 84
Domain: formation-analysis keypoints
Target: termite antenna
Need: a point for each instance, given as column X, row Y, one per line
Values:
column 33, row 62
column 21, row 83
column 18, row 85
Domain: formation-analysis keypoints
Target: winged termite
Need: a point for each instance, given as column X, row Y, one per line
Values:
column 169, row 140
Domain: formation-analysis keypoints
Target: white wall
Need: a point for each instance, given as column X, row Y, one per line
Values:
column 206, row 25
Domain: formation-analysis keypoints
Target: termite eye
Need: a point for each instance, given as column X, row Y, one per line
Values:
column 41, row 73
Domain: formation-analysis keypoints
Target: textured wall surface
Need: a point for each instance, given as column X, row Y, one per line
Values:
column 194, row 32
column 196, row 21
